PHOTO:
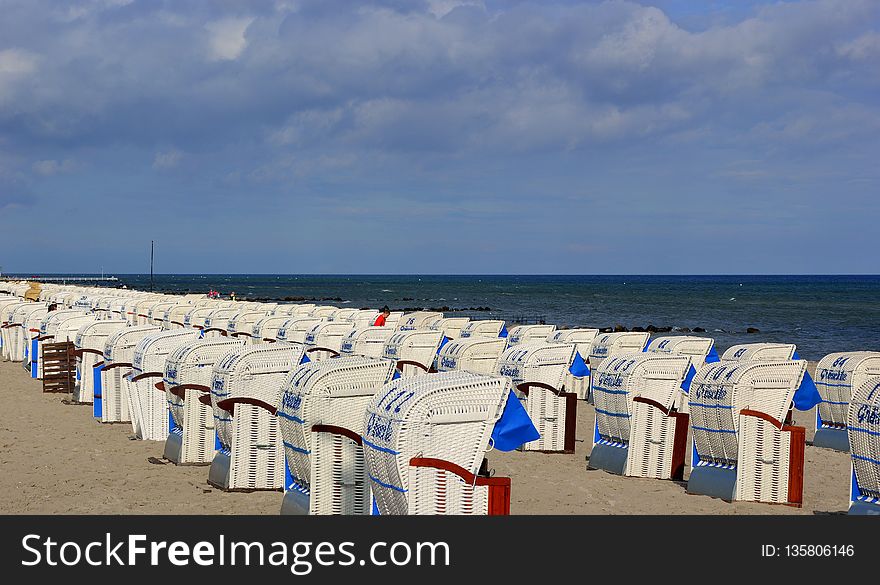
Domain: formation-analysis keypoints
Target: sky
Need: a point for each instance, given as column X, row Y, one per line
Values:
column 440, row 136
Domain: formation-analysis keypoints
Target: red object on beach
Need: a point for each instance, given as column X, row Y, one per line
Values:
column 380, row 320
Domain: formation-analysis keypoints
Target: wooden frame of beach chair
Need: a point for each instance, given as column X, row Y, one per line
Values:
column 90, row 341
column 295, row 329
column 321, row 416
column 490, row 328
column 366, row 341
column 148, row 404
column 324, row 340
column 759, row 351
column 67, row 331
column 526, row 333
column 863, row 430
column 583, row 339
column 241, row 325
column 188, row 370
column 111, row 397
column 836, row 376
column 245, row 389
column 538, row 370
column 638, row 431
column 478, row 355
column 743, row 450
column 418, row 320
column 413, row 351
column 451, row 326
column 424, row 440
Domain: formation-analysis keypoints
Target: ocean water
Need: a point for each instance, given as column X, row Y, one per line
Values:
column 821, row 314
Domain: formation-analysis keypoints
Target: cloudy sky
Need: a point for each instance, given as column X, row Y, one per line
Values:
column 440, row 136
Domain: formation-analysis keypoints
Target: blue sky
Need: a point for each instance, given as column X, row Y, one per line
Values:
column 444, row 136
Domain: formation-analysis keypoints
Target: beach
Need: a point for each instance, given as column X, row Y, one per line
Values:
column 56, row 459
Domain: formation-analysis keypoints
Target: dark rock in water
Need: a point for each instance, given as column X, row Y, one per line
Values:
column 664, row 329
column 682, row 329
column 294, row 299
column 651, row 329
column 753, row 330
column 606, row 330
column 699, row 330
column 638, row 329
column 619, row 328
column 563, row 327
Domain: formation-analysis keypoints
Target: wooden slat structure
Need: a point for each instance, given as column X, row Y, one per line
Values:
column 59, row 367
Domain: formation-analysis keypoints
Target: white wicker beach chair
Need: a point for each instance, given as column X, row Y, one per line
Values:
column 413, row 350
column 700, row 349
column 295, row 329
column 321, row 416
column 112, row 398
column 425, row 439
column 156, row 313
column 323, row 312
column 18, row 343
column 484, row 328
column 610, row 344
column 366, row 341
column 7, row 328
column 527, row 333
column 743, row 448
column 344, row 314
column 288, row 310
column 90, row 341
column 837, row 374
column 142, row 308
column 241, row 325
column 148, row 404
column 245, row 389
column 364, row 318
column 30, row 332
column 760, row 351
column 583, row 339
column 451, row 326
column 478, row 355
column 188, row 369
column 393, row 319
column 51, row 325
column 418, row 320
column 196, row 317
column 638, row 430
column 863, row 428
column 538, row 370
column 217, row 321
column 175, row 316
column 265, row 330
column 324, row 340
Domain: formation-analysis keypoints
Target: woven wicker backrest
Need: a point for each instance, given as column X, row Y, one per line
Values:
column 719, row 391
column 50, row 323
column 330, row 392
column 474, row 354
column 610, row 344
column 418, row 346
column 152, row 350
column 366, row 341
column 418, row 320
column 623, row 377
column 583, row 338
column 482, row 328
column 837, row 374
column 451, row 326
column 94, row 335
column 537, row 362
column 527, row 333
column 863, row 428
column 696, row 347
column 296, row 328
column 328, row 334
column 120, row 345
column 759, row 351
column 448, row 416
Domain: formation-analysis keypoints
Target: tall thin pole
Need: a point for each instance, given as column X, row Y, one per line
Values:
column 151, row 265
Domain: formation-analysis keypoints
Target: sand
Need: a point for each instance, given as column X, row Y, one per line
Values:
column 56, row 459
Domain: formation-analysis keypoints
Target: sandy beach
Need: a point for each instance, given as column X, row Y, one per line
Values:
column 57, row 460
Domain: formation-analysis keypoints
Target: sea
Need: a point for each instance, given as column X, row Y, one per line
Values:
column 821, row 314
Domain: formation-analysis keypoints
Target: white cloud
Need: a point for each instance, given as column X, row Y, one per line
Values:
column 227, row 41
column 16, row 62
column 168, row 159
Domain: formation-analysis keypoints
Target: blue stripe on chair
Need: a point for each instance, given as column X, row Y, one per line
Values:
column 387, row 485
column 714, row 430
column 618, row 414
column 291, row 417
column 868, row 459
column 727, row 406
column 297, row 449
column 378, row 448
column 868, row 431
